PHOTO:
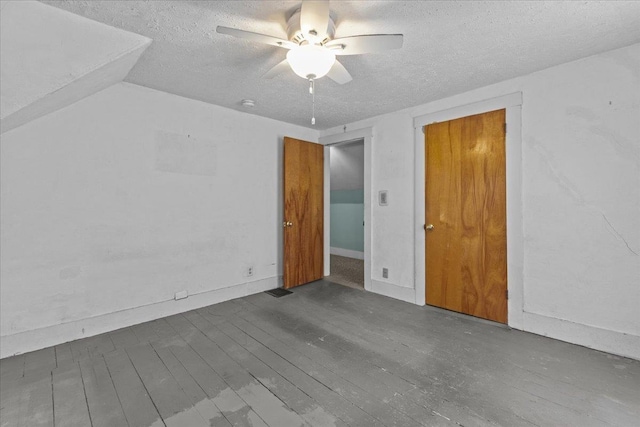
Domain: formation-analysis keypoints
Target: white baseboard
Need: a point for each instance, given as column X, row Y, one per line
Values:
column 37, row 339
column 346, row 253
column 618, row 343
column 614, row 342
column 393, row 291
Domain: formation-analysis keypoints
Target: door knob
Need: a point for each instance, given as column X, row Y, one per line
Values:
column 429, row 227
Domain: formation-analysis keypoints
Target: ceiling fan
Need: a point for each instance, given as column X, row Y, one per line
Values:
column 312, row 46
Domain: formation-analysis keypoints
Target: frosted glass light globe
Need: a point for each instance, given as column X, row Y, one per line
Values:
column 311, row 61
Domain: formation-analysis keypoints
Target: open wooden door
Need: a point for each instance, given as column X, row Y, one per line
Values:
column 303, row 212
column 466, row 240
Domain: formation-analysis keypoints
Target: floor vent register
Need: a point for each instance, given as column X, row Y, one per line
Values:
column 278, row 292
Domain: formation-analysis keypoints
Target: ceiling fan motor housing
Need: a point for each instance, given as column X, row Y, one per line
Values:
column 295, row 34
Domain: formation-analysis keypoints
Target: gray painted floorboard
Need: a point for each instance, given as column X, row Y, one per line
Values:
column 102, row 399
column 325, row 355
column 71, row 410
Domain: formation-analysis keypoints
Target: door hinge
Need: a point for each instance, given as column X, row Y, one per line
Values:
column 505, row 128
column 506, row 294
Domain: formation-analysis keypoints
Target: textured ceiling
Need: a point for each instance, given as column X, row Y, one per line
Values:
column 449, row 47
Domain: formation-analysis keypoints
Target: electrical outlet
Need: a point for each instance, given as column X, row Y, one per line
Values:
column 385, row 273
column 248, row 272
column 180, row 295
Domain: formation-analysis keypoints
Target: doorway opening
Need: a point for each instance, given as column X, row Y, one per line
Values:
column 347, row 213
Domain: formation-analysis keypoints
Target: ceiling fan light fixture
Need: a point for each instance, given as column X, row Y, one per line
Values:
column 311, row 61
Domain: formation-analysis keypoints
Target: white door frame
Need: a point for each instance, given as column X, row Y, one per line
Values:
column 365, row 134
column 515, row 239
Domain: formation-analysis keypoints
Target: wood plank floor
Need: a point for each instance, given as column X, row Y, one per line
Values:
column 326, row 355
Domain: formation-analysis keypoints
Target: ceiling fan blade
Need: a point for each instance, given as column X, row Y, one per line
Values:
column 339, row 74
column 256, row 37
column 371, row 43
column 280, row 68
column 314, row 16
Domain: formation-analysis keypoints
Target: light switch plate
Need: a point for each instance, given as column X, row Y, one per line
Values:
column 383, row 199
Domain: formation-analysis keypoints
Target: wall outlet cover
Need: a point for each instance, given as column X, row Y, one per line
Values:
column 385, row 273
column 249, row 270
column 181, row 295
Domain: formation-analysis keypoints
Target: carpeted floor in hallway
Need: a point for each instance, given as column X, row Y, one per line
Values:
column 347, row 271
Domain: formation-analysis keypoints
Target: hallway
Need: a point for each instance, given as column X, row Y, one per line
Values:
column 347, row 271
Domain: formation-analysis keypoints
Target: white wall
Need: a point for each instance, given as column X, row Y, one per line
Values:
column 113, row 204
column 580, row 196
column 52, row 58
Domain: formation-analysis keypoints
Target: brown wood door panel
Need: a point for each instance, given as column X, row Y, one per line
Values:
column 304, row 211
column 465, row 200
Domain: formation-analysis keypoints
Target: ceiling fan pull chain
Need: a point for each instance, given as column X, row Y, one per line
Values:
column 312, row 90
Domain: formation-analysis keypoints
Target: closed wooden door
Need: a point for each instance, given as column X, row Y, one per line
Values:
column 303, row 212
column 466, row 243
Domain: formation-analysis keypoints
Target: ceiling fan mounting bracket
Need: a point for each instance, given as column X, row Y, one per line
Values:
column 295, row 34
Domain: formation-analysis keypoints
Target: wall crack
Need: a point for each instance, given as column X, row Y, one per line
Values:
column 619, row 235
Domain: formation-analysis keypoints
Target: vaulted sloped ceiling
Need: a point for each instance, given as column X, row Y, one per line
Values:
column 52, row 58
